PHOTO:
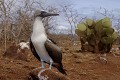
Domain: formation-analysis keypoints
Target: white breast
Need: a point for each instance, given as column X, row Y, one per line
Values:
column 38, row 39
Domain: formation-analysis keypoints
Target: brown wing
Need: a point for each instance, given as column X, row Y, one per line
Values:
column 54, row 51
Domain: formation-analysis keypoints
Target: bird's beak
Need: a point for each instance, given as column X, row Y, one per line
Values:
column 46, row 14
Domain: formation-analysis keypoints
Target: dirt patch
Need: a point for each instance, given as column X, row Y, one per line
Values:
column 79, row 66
column 15, row 52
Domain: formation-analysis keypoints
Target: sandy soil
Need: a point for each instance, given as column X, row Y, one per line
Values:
column 79, row 66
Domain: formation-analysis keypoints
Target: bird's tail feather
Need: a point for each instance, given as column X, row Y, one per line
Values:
column 60, row 68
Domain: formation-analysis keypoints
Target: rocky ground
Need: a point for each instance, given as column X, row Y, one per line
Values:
column 79, row 66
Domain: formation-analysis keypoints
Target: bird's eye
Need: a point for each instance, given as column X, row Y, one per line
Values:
column 42, row 12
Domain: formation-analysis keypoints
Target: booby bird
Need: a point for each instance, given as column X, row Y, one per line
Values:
column 43, row 48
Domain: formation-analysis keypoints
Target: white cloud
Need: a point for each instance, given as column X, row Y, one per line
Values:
column 61, row 28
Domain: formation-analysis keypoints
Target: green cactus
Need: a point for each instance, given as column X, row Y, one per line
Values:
column 80, row 33
column 97, row 21
column 98, row 26
column 77, row 31
column 81, row 27
column 91, row 40
column 106, row 22
column 99, row 34
column 115, row 35
column 89, row 31
column 109, row 31
column 107, row 40
column 89, row 22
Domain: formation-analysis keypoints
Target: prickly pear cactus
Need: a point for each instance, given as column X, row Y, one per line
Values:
column 82, row 27
column 89, row 22
column 106, row 22
column 97, row 34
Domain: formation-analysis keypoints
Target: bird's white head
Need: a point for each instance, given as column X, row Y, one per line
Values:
column 38, row 27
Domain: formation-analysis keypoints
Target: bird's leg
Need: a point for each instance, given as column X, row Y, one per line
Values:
column 41, row 66
column 51, row 62
column 42, row 63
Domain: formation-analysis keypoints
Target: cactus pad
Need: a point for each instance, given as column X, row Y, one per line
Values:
column 89, row 22
column 98, row 26
column 106, row 22
column 89, row 31
column 115, row 35
column 80, row 33
column 109, row 31
column 81, row 27
column 107, row 40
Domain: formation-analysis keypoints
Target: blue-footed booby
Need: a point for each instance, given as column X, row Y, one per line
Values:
column 43, row 48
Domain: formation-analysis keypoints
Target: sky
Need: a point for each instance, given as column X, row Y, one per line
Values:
column 108, row 4
column 86, row 7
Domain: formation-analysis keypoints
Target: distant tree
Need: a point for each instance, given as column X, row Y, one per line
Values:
column 5, row 8
column 16, row 20
column 72, row 17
